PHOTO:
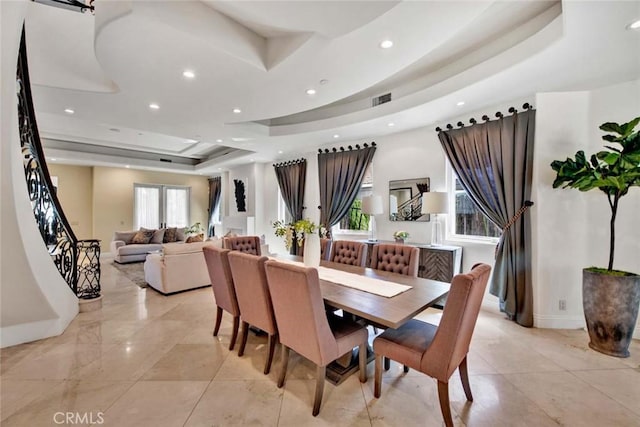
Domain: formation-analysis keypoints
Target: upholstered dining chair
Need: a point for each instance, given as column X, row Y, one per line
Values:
column 222, row 284
column 254, row 300
column 304, row 327
column 349, row 252
column 246, row 244
column 438, row 350
column 401, row 259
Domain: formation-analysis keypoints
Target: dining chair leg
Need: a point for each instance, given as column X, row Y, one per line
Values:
column 272, row 340
column 377, row 387
column 234, row 332
column 464, row 376
column 283, row 367
column 362, row 362
column 443, row 394
column 321, row 371
column 243, row 338
column 216, row 328
column 387, row 363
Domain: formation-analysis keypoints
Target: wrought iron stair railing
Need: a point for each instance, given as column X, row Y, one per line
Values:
column 78, row 261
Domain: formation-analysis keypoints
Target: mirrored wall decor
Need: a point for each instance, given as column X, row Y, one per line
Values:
column 405, row 199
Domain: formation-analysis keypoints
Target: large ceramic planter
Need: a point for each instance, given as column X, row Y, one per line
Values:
column 610, row 310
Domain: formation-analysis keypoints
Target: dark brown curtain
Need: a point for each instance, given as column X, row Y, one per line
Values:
column 291, row 179
column 494, row 163
column 215, row 188
column 341, row 173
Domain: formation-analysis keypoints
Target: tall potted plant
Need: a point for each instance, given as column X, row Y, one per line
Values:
column 610, row 297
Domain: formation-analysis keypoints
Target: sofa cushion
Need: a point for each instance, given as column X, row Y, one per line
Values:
column 180, row 234
column 124, row 236
column 137, row 249
column 169, row 235
column 142, row 237
column 158, row 235
column 196, row 238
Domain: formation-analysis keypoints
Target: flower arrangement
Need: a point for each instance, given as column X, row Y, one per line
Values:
column 297, row 229
column 401, row 235
column 194, row 229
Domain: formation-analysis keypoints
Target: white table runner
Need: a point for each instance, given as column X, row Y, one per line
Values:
column 356, row 281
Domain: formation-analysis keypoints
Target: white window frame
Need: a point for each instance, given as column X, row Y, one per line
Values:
column 451, row 216
column 283, row 213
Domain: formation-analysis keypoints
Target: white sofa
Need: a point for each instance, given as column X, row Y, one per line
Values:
column 180, row 266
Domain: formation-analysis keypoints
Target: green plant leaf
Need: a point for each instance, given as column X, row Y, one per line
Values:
column 612, row 127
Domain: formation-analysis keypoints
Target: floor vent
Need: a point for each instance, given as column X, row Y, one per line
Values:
column 382, row 99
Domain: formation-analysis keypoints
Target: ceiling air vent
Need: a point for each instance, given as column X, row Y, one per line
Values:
column 381, row 99
column 166, row 160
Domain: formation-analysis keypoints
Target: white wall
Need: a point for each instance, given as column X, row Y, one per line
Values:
column 36, row 302
column 571, row 228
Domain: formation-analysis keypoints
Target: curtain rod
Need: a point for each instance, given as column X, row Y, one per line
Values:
column 289, row 163
column 349, row 147
column 473, row 121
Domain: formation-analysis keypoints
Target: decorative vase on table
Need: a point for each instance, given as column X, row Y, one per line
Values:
column 398, row 240
column 311, row 255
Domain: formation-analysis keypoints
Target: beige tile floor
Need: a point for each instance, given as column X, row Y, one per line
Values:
column 149, row 360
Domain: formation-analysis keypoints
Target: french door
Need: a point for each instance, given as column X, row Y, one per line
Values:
column 157, row 206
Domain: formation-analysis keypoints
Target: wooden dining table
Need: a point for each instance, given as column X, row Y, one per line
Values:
column 387, row 312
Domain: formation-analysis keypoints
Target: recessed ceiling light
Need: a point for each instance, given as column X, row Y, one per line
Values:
column 237, row 110
column 53, row 159
column 386, row 44
column 190, row 141
column 391, row 124
column 460, row 104
column 127, row 166
column 336, row 135
column 154, row 106
column 218, row 140
column 69, row 111
column 280, row 151
column 251, row 160
column 188, row 74
column 311, row 91
column 634, row 25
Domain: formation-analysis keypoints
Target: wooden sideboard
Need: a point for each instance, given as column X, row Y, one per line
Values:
column 436, row 262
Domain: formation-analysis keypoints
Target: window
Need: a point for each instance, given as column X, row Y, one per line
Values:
column 355, row 220
column 158, row 206
column 466, row 221
column 283, row 212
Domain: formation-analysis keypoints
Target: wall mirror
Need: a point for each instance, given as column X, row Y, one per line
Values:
column 405, row 199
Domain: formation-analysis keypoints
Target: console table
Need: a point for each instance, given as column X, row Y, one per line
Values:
column 436, row 262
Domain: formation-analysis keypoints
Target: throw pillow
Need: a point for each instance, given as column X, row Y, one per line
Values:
column 170, row 235
column 142, row 237
column 158, row 235
column 180, row 235
column 196, row 238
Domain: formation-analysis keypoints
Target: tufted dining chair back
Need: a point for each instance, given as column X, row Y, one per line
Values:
column 246, row 244
column 349, row 252
column 401, row 259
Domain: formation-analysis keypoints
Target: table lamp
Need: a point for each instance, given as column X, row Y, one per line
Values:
column 435, row 202
column 372, row 205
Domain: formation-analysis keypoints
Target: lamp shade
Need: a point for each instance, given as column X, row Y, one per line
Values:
column 435, row 202
column 372, row 205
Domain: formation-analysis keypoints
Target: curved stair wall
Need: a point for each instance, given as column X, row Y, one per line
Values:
column 36, row 302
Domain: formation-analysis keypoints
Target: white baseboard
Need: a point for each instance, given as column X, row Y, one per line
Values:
column 551, row 321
